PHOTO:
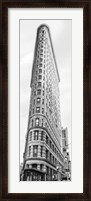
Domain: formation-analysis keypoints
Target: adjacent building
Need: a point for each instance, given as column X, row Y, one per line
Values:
column 44, row 157
column 65, row 149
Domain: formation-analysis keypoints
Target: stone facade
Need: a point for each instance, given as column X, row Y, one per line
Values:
column 43, row 152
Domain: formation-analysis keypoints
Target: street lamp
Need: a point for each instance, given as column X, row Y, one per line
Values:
column 57, row 168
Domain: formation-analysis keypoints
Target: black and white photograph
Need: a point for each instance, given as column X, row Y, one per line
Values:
column 45, row 83
column 45, row 133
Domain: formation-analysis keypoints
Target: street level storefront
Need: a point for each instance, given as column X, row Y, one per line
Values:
column 33, row 175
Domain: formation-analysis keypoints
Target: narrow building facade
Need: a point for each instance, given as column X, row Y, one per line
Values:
column 43, row 158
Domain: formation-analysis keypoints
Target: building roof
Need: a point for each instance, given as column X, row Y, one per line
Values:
column 44, row 25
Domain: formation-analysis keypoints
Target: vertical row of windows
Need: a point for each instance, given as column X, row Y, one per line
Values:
column 50, row 157
column 53, row 148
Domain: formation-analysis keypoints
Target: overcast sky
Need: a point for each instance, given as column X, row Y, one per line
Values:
column 61, row 39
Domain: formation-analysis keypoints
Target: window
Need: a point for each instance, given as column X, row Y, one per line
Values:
column 64, row 149
column 51, row 113
column 41, row 59
column 37, row 121
column 42, row 135
column 30, row 113
column 42, row 101
column 41, row 151
column 40, row 64
column 43, row 93
column 51, row 172
column 50, row 144
column 33, row 110
column 37, row 109
column 29, row 150
column 36, row 78
column 40, row 70
column 34, row 166
column 34, row 93
column 32, row 122
column 34, row 102
column 40, row 77
column 35, row 83
column 42, row 110
column 64, row 134
column 41, row 50
column 42, row 122
column 47, row 170
column 53, row 147
column 38, row 100
column 30, row 136
column 41, row 166
column 43, row 85
column 46, row 154
column 46, row 139
column 39, row 84
column 53, row 159
column 50, row 157
column 35, row 150
column 39, row 92
column 36, row 135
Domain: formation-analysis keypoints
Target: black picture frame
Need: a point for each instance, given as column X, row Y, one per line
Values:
column 86, row 195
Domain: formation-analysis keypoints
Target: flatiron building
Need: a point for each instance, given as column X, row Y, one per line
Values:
column 43, row 158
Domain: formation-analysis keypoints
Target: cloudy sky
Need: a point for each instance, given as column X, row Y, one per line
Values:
column 61, row 39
